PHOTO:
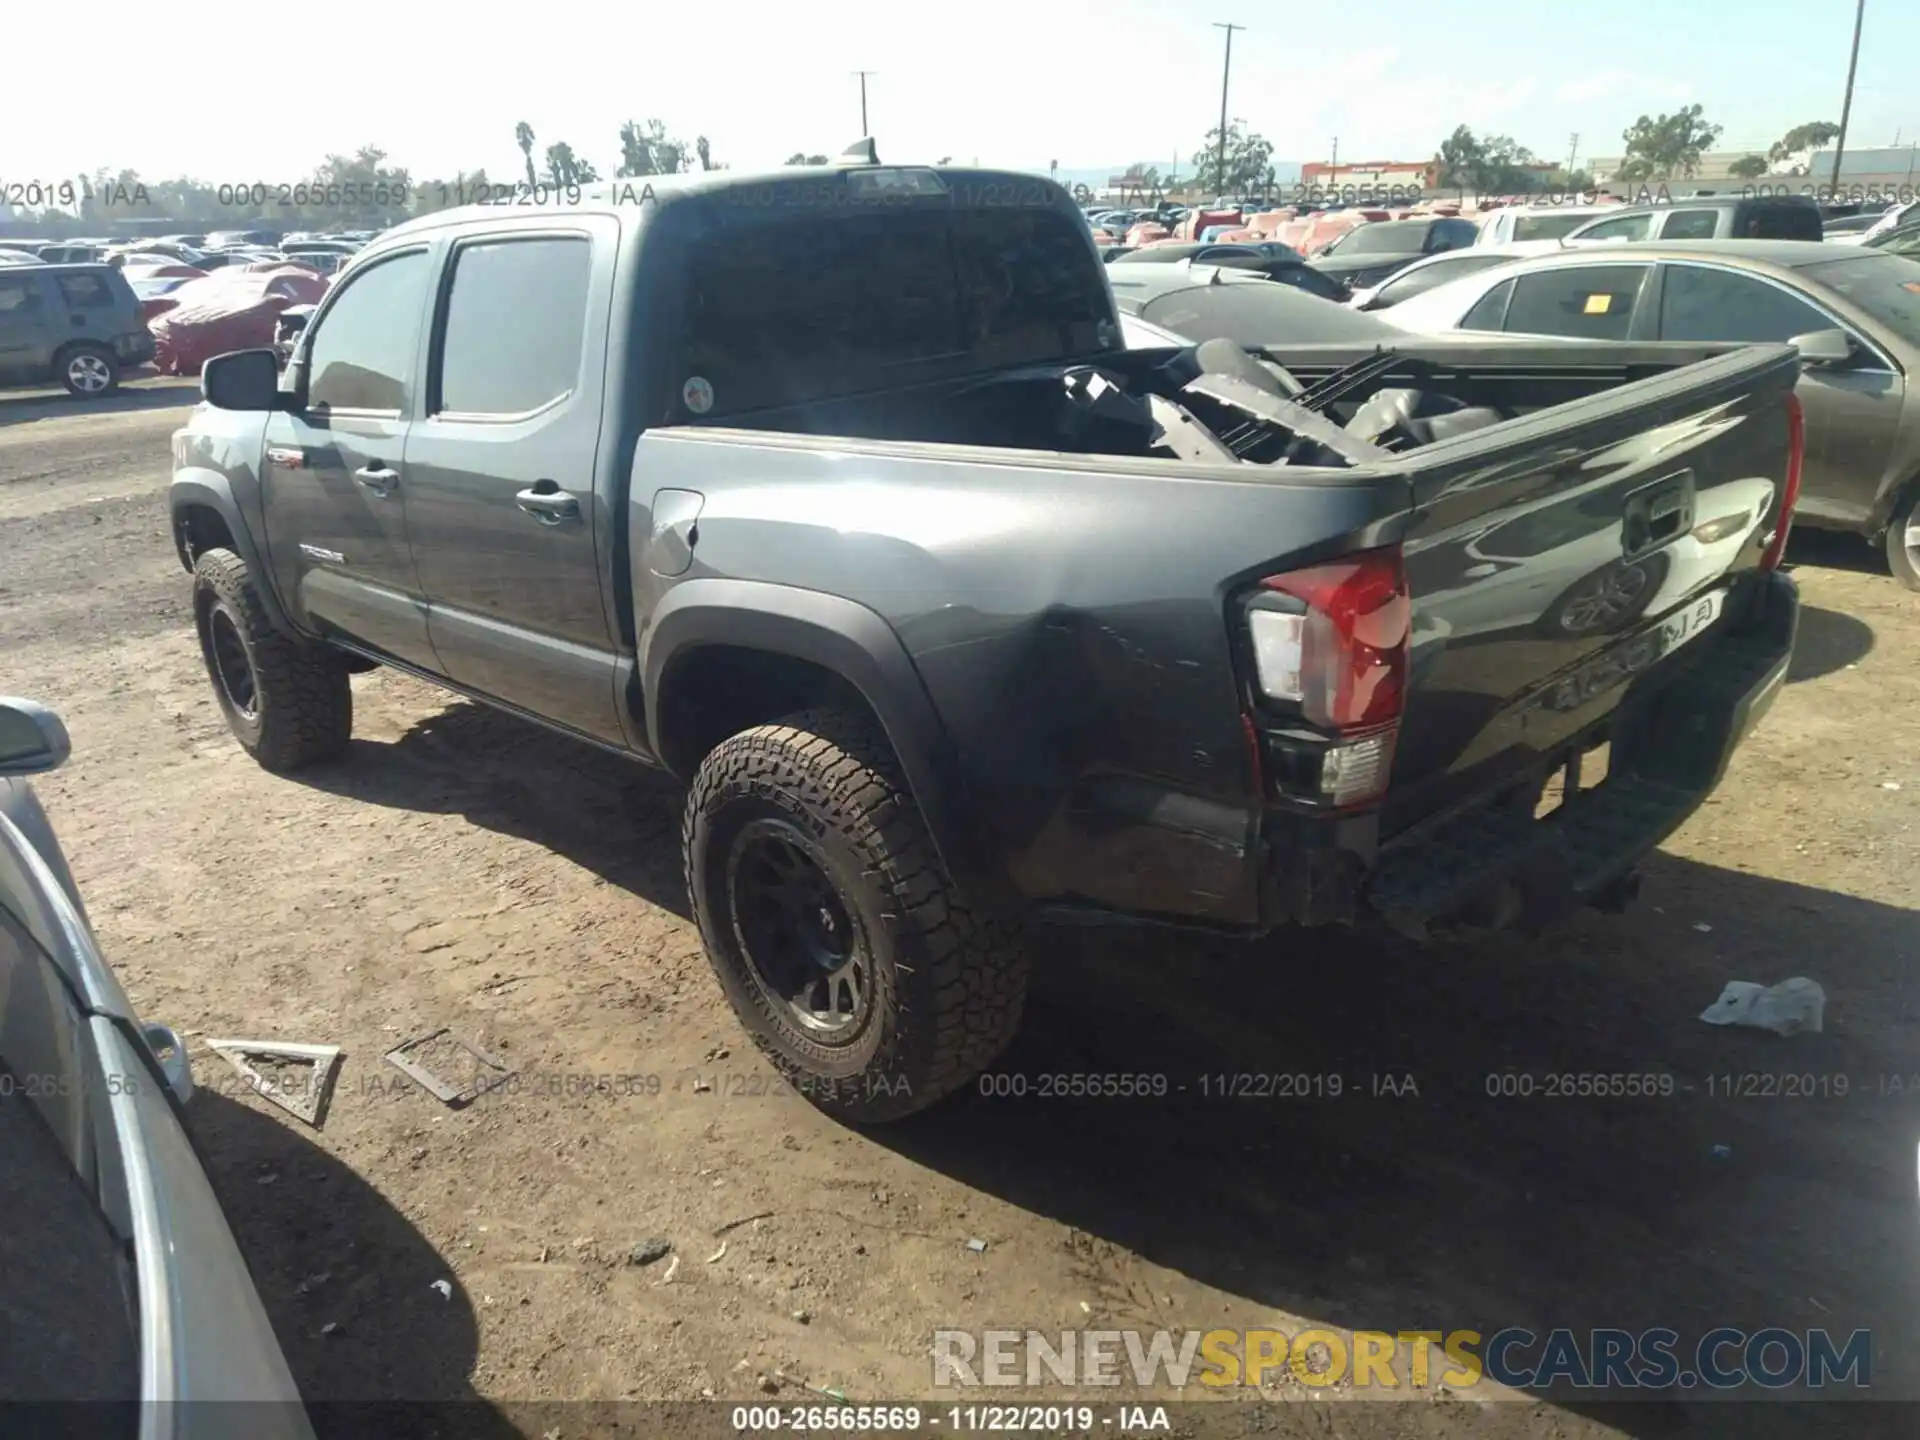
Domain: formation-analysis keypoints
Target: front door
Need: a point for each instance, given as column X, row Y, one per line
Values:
column 508, row 530
column 26, row 346
column 1852, row 412
column 333, row 480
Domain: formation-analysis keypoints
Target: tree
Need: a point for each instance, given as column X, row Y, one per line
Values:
column 1667, row 144
column 523, row 137
column 705, row 153
column 1248, row 155
column 360, row 188
column 646, row 150
column 1495, row 165
column 1807, row 140
column 564, row 168
column 466, row 188
column 800, row 157
column 1748, row 167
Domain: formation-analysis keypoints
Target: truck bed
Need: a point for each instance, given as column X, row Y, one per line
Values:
column 1614, row 490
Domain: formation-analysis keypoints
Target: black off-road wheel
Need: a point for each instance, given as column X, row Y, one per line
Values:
column 866, row 978
column 288, row 703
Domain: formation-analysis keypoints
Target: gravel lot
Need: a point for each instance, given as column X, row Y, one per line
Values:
column 462, row 869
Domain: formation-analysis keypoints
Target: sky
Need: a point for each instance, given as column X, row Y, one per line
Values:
column 263, row 96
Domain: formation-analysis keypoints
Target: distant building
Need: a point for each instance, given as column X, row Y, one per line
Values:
column 1407, row 174
column 1866, row 168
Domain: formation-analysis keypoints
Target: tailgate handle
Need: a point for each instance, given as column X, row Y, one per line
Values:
column 1657, row 513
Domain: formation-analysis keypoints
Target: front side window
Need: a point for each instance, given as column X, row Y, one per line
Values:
column 515, row 327
column 1705, row 305
column 1583, row 302
column 1627, row 227
column 363, row 350
column 84, row 292
column 1418, row 281
column 1489, row 312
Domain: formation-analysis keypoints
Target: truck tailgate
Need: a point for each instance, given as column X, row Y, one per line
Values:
column 1554, row 559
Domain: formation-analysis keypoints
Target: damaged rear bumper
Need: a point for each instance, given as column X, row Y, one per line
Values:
column 1492, row 862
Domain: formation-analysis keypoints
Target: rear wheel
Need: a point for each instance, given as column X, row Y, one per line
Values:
column 868, row 980
column 89, row 371
column 288, row 703
column 1903, row 541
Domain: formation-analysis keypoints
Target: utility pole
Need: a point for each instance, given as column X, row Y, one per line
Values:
column 1573, row 150
column 864, row 132
column 1225, row 71
column 1333, row 161
column 1846, row 105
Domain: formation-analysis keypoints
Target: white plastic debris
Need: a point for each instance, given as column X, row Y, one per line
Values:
column 444, row 1287
column 1785, row 1009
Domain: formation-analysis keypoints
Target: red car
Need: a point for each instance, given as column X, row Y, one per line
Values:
column 234, row 310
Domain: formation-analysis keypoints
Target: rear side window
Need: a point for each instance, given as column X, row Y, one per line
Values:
column 515, row 325
column 782, row 312
column 1690, row 225
column 1586, row 302
column 18, row 296
column 1489, row 312
column 363, row 350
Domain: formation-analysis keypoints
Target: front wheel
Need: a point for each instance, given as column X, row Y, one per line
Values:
column 1903, row 541
column 287, row 703
column 867, row 979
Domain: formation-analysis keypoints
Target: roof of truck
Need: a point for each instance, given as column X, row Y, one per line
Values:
column 1009, row 188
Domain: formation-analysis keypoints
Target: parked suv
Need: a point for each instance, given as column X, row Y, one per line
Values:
column 1710, row 217
column 78, row 324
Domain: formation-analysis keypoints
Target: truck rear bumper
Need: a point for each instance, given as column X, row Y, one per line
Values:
column 1493, row 862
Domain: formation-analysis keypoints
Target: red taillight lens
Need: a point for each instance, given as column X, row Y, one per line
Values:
column 1790, row 491
column 1352, row 663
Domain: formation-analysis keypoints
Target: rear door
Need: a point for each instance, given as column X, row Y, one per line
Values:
column 1852, row 412
column 332, row 480
column 508, row 532
column 1567, row 302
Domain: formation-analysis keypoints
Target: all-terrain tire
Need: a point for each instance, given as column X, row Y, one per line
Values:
column 947, row 976
column 1902, row 558
column 288, row 703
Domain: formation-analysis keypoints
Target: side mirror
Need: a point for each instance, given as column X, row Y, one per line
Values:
column 32, row 739
column 243, row 380
column 1823, row 347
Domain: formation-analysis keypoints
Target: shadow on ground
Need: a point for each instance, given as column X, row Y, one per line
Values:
column 1827, row 641
column 1463, row 1207
column 1836, row 550
column 614, row 817
column 17, row 407
column 327, row 1249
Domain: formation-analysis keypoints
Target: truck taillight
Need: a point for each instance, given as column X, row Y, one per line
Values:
column 1790, row 491
column 1332, row 640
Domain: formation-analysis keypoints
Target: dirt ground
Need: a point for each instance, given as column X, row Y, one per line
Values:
column 464, row 870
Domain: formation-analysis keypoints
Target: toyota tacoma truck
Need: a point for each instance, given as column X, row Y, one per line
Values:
column 835, row 493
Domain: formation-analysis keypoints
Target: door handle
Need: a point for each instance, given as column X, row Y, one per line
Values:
column 377, row 478
column 549, row 507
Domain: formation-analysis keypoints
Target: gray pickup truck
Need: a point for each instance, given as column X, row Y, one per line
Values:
column 835, row 493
